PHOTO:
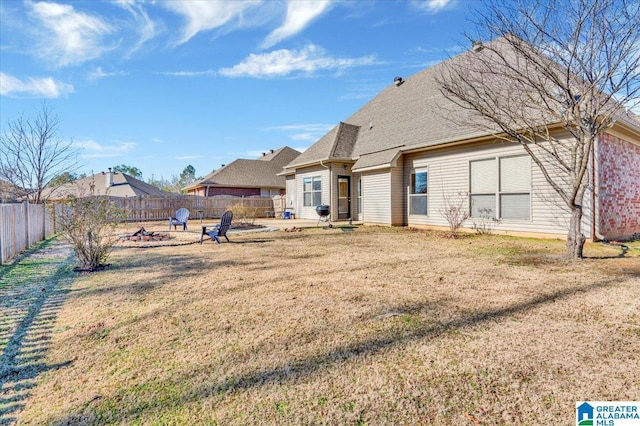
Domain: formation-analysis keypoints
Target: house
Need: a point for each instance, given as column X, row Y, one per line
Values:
column 9, row 193
column 245, row 178
column 110, row 183
column 399, row 158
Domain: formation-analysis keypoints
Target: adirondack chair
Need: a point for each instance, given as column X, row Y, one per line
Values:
column 220, row 230
column 181, row 218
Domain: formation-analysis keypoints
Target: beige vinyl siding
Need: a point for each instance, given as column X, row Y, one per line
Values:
column 376, row 197
column 309, row 212
column 398, row 197
column 449, row 177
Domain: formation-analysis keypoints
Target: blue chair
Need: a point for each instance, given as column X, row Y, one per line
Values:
column 220, row 230
column 181, row 218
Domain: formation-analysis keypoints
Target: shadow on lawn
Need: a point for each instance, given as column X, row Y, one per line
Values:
column 32, row 292
column 172, row 394
column 168, row 268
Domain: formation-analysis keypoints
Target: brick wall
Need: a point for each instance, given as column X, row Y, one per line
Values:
column 618, row 188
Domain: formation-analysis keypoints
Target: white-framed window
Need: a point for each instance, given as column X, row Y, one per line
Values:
column 418, row 192
column 312, row 191
column 501, row 188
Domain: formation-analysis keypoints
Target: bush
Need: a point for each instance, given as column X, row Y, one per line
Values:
column 455, row 211
column 89, row 224
column 486, row 222
column 244, row 215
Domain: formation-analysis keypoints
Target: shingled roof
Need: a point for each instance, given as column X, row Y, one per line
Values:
column 260, row 173
column 9, row 193
column 123, row 185
column 410, row 115
column 399, row 117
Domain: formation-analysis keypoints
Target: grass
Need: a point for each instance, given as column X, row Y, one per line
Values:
column 375, row 326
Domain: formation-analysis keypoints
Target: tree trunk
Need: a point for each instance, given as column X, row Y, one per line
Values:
column 575, row 238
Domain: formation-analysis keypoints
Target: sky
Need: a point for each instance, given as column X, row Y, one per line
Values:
column 160, row 85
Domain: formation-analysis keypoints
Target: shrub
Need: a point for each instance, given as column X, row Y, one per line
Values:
column 89, row 224
column 455, row 211
column 486, row 222
column 242, row 214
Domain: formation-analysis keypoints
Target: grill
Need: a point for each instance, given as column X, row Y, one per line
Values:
column 323, row 214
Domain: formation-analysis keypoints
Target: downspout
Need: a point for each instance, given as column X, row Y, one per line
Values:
column 330, row 192
column 594, row 237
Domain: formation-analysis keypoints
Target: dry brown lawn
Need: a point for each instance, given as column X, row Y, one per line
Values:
column 376, row 326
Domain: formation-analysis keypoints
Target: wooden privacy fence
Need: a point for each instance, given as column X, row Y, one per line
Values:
column 140, row 209
column 21, row 226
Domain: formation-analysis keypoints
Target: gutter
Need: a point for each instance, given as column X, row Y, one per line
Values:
column 330, row 190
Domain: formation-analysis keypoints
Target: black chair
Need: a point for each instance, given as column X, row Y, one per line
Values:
column 220, row 229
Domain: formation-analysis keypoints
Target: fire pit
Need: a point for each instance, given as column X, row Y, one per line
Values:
column 323, row 211
column 143, row 235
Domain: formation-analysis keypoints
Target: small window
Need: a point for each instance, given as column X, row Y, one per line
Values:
column 418, row 192
column 312, row 191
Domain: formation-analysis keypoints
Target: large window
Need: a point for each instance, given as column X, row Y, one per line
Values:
column 418, row 192
column 501, row 188
column 312, row 191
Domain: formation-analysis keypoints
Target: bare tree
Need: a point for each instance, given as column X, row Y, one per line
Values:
column 455, row 209
column 556, row 75
column 32, row 153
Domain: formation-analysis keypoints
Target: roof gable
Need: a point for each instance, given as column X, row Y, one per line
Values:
column 122, row 185
column 260, row 173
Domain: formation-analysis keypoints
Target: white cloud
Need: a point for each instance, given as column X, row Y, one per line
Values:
column 207, row 15
column 432, row 6
column 97, row 73
column 68, row 37
column 304, row 137
column 299, row 15
column 38, row 87
column 92, row 149
column 145, row 26
column 206, row 73
column 283, row 62
column 303, row 132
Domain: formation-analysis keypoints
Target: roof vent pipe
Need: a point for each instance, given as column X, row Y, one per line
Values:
column 477, row 46
column 398, row 81
column 108, row 179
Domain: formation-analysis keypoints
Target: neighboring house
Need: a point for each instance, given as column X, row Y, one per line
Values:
column 245, row 178
column 114, row 184
column 397, row 159
column 8, row 192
